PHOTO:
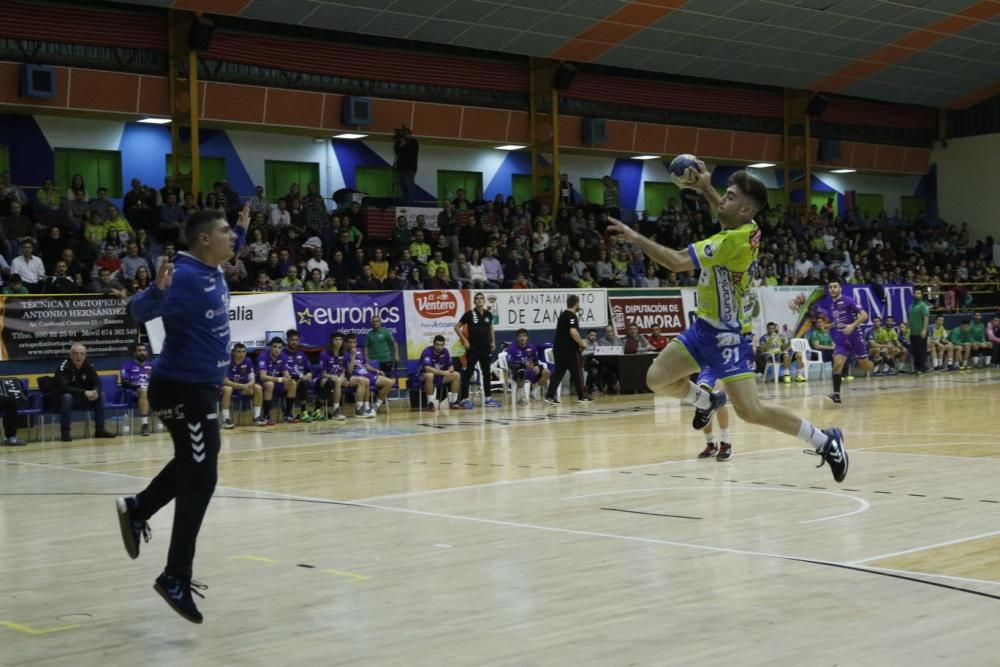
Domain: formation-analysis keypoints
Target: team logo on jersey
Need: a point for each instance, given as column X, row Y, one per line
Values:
column 708, row 249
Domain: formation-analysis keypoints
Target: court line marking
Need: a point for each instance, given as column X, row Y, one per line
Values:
column 928, row 547
column 411, row 494
column 864, row 504
column 629, row 538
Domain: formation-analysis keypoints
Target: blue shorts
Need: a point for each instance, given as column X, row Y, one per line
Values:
column 706, row 377
column 727, row 355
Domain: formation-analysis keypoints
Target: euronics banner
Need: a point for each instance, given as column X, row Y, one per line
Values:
column 319, row 314
column 45, row 327
column 538, row 309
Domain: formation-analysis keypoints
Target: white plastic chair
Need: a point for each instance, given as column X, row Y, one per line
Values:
column 773, row 365
column 809, row 356
column 502, row 368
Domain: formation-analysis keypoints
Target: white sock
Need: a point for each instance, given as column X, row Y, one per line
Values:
column 225, row 414
column 724, row 436
column 336, row 406
column 256, row 411
column 698, row 397
column 812, row 435
column 452, row 397
column 710, row 438
column 145, row 420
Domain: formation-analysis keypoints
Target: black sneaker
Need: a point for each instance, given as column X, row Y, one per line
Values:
column 551, row 401
column 709, row 451
column 228, row 424
column 725, row 452
column 132, row 529
column 177, row 593
column 835, row 398
column 703, row 418
column 104, row 434
column 144, row 429
column 585, row 399
column 834, row 453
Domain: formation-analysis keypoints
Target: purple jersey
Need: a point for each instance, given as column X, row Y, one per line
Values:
column 520, row 357
column 441, row 361
column 296, row 363
column 240, row 373
column 360, row 361
column 136, row 374
column 843, row 311
column 332, row 364
column 271, row 365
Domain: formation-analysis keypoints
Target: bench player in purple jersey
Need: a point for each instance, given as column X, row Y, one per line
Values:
column 523, row 364
column 376, row 384
column 437, row 369
column 241, row 378
column 135, row 376
column 845, row 317
column 299, row 372
column 332, row 375
column 271, row 374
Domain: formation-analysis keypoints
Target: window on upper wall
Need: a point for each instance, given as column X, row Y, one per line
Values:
column 657, row 194
column 872, row 204
column 592, row 190
column 279, row 176
column 374, row 181
column 450, row 182
column 520, row 187
column 213, row 170
column 99, row 169
column 911, row 206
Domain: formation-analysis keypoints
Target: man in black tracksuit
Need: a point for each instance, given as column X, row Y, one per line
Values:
column 77, row 387
column 566, row 349
column 479, row 341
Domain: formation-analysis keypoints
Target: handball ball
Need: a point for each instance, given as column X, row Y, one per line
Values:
column 678, row 170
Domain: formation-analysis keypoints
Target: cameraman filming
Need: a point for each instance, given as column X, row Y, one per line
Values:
column 406, row 149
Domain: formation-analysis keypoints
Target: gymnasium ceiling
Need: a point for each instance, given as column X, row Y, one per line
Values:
column 940, row 53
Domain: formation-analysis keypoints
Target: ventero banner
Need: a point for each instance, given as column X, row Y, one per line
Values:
column 429, row 313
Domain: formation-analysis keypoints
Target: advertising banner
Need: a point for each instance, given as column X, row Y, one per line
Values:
column 253, row 319
column 319, row 314
column 44, row 327
column 411, row 212
column 432, row 312
column 793, row 307
column 648, row 308
column 538, row 309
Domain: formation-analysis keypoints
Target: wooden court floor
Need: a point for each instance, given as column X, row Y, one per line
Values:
column 570, row 535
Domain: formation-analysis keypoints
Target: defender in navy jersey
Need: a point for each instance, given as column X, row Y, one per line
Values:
column 437, row 369
column 524, row 364
column 135, row 376
column 844, row 318
column 241, row 378
column 191, row 296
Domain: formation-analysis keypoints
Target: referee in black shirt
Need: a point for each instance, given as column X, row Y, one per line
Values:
column 566, row 349
column 479, row 342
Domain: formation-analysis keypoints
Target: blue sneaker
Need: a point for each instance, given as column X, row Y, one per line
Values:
column 492, row 403
column 467, row 404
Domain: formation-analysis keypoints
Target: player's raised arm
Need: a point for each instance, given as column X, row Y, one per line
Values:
column 674, row 260
column 703, row 184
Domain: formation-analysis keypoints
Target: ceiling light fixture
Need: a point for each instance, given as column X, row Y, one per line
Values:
column 761, row 165
column 645, row 157
column 154, row 121
column 349, row 135
column 509, row 147
column 843, row 171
